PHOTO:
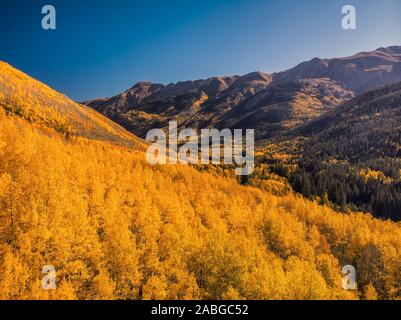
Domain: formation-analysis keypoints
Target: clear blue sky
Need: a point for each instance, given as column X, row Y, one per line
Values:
column 103, row 47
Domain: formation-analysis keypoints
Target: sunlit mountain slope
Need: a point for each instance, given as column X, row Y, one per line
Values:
column 271, row 104
column 39, row 104
column 115, row 227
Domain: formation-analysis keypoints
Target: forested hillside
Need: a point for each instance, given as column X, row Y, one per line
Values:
column 351, row 156
column 115, row 227
column 42, row 106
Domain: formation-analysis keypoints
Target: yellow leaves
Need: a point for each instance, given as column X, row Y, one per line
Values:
column 103, row 287
column 5, row 181
column 117, row 228
column 155, row 289
column 64, row 291
column 369, row 174
column 218, row 264
column 231, row 294
column 304, row 281
column 328, row 266
column 370, row 293
column 286, row 236
column 43, row 107
column 14, row 277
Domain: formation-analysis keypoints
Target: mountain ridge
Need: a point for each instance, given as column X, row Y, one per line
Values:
column 303, row 93
column 30, row 99
column 360, row 73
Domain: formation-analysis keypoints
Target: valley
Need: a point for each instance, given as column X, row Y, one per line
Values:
column 76, row 191
column 335, row 122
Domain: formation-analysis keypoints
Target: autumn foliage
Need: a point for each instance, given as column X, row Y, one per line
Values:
column 115, row 227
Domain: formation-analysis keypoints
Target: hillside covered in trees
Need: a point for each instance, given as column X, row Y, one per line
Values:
column 40, row 105
column 115, row 227
column 272, row 104
column 351, row 155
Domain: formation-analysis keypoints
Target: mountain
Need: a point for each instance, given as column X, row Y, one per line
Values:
column 351, row 155
column 39, row 104
column 250, row 101
column 366, row 127
column 270, row 103
column 114, row 227
column 284, row 106
column 147, row 105
column 359, row 73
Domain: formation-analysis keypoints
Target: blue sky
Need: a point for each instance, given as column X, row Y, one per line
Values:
column 103, row 47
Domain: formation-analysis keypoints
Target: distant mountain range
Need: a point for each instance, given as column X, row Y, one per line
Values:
column 270, row 103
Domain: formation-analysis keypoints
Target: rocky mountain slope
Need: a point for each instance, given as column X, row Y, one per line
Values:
column 270, row 103
column 359, row 73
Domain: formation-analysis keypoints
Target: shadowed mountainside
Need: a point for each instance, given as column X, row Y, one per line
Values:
column 368, row 126
column 351, row 155
column 269, row 103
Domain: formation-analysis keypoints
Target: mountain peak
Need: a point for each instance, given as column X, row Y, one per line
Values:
column 268, row 103
column 145, row 86
column 361, row 72
column 142, row 84
column 257, row 75
column 392, row 50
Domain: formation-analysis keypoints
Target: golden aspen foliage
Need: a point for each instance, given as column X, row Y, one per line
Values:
column 115, row 227
column 370, row 293
column 44, row 107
